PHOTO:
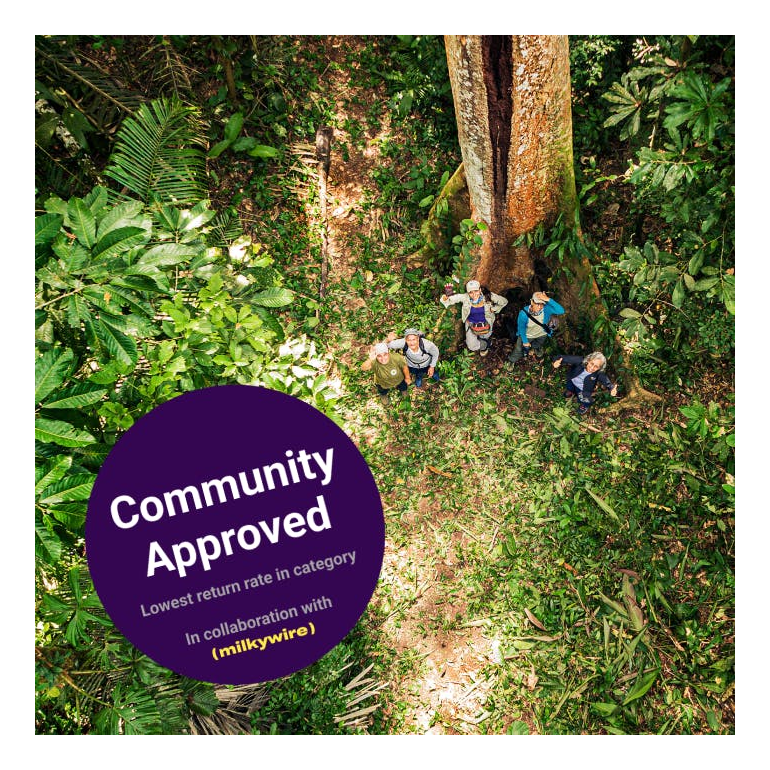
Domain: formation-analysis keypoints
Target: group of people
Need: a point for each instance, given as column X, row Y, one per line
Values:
column 397, row 362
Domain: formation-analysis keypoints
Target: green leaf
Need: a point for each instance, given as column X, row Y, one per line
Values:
column 244, row 143
column 47, row 544
column 77, row 311
column 118, row 241
column 274, row 297
column 706, row 283
column 168, row 254
column 219, row 148
column 233, row 127
column 44, row 130
column 82, row 221
column 122, row 215
column 264, row 151
column 76, row 396
column 641, row 686
column 76, row 486
column 46, row 227
column 119, row 345
column 71, row 515
column 51, row 369
column 61, row 433
column 628, row 312
column 678, row 294
column 619, row 608
column 602, row 504
column 51, row 472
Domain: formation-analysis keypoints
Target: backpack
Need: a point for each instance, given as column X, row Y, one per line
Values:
column 406, row 347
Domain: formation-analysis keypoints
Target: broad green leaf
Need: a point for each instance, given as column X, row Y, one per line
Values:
column 706, row 283
column 605, row 709
column 168, row 254
column 244, row 143
column 97, row 199
column 274, row 297
column 76, row 486
column 641, row 686
column 264, row 151
column 82, row 221
column 51, row 472
column 128, row 299
column 75, row 257
column 71, row 515
column 678, row 294
column 51, row 369
column 47, row 544
column 44, row 130
column 219, row 148
column 118, row 241
column 46, row 227
column 119, row 345
column 61, row 433
column 76, row 396
column 628, row 312
column 233, row 127
column 122, row 215
column 138, row 282
column 602, row 504
column 619, row 608
column 77, row 125
column 77, row 311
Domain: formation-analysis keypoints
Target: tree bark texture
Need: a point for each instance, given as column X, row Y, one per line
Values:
column 513, row 109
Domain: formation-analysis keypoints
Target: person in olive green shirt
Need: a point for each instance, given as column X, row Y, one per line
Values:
column 390, row 371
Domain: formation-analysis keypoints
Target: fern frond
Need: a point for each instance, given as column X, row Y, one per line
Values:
column 94, row 93
column 166, row 69
column 233, row 716
column 158, row 154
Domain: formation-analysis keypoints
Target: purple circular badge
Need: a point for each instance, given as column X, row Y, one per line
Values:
column 235, row 534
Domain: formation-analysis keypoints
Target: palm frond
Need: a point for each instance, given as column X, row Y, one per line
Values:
column 158, row 154
column 163, row 66
column 94, row 93
column 233, row 716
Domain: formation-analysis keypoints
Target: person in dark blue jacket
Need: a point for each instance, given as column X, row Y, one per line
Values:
column 532, row 327
column 582, row 377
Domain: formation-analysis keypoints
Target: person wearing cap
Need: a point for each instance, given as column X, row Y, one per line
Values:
column 478, row 311
column 390, row 371
column 582, row 377
column 421, row 354
column 532, row 326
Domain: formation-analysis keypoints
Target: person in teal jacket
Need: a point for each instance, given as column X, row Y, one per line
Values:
column 532, row 326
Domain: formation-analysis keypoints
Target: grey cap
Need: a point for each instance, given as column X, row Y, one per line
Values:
column 409, row 331
column 472, row 286
column 380, row 348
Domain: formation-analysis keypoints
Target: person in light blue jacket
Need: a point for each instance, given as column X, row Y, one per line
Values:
column 533, row 326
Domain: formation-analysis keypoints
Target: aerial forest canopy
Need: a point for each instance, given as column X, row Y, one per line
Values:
column 263, row 210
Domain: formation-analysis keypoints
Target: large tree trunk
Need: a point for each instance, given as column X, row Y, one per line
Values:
column 512, row 97
column 512, row 103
